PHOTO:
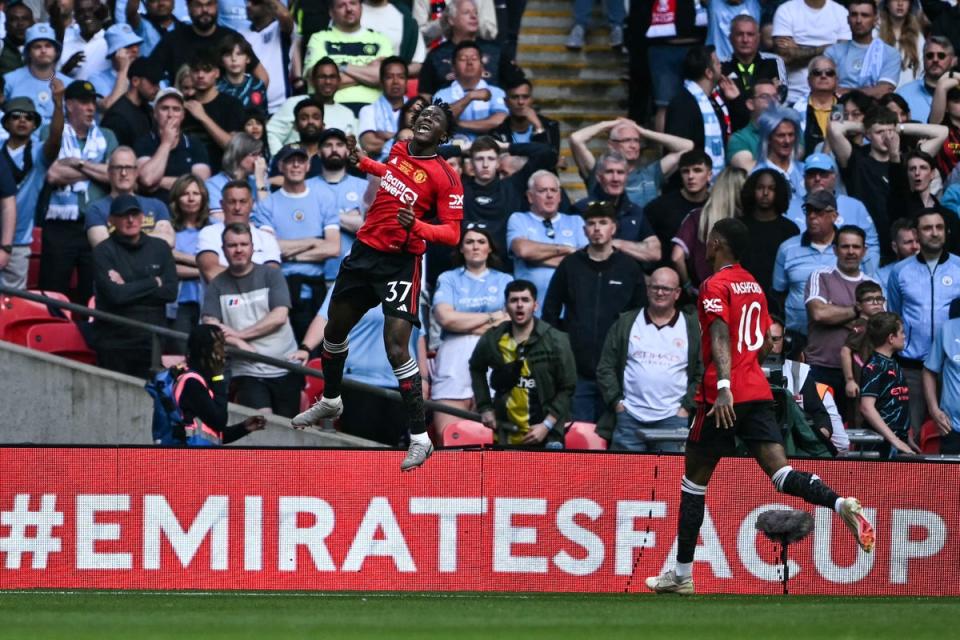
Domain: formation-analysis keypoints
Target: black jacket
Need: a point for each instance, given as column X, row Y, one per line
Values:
column 195, row 402
column 585, row 298
column 139, row 297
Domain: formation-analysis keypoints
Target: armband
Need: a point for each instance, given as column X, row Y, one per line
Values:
column 549, row 423
column 723, row 384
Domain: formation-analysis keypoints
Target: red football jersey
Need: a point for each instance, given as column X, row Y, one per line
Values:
column 425, row 184
column 732, row 295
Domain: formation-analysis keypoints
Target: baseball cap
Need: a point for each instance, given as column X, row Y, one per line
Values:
column 142, row 68
column 820, row 200
column 120, row 36
column 124, row 204
column 290, row 150
column 819, row 162
column 80, row 90
column 166, row 93
column 332, row 132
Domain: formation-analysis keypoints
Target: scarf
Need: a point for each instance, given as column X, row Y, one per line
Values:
column 872, row 64
column 713, row 130
column 663, row 18
column 384, row 117
column 65, row 202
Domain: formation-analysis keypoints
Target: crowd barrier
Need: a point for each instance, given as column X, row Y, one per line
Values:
column 472, row 520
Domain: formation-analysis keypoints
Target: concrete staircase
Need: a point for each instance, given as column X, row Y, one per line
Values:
column 575, row 88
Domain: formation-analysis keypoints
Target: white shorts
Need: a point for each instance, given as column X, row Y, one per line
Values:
column 451, row 374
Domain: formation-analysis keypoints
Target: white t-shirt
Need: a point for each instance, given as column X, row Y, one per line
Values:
column 809, row 27
column 94, row 51
column 388, row 20
column 265, row 246
column 655, row 378
column 266, row 45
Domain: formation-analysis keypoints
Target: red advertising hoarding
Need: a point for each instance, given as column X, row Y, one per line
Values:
column 145, row 518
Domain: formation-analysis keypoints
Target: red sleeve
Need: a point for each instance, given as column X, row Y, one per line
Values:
column 714, row 302
column 371, row 166
column 447, row 233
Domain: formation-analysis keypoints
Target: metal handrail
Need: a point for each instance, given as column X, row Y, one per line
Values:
column 156, row 330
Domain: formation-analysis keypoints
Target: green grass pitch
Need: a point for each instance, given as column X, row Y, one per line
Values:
column 141, row 615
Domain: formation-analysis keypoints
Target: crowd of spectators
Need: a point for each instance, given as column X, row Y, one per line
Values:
column 186, row 163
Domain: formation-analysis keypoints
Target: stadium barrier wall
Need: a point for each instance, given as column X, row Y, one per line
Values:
column 475, row 520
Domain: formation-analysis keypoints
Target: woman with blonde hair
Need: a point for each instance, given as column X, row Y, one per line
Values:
column 901, row 27
column 189, row 212
column 689, row 252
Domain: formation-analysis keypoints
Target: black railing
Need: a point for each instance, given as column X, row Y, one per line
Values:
column 163, row 332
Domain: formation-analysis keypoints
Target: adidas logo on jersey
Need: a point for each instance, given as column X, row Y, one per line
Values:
column 403, row 308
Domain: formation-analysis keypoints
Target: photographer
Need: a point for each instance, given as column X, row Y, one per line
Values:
column 813, row 398
column 534, row 374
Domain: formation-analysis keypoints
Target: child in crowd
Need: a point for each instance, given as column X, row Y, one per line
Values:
column 857, row 350
column 255, row 125
column 235, row 55
column 884, row 400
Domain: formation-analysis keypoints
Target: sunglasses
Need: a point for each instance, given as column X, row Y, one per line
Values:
column 938, row 55
column 550, row 231
column 826, row 73
column 475, row 225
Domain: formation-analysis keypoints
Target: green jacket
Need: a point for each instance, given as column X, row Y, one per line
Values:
column 613, row 362
column 551, row 365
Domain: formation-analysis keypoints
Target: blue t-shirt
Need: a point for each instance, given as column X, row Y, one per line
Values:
column 719, row 16
column 850, row 57
column 294, row 217
column 98, row 213
column 944, row 358
column 471, row 293
column 215, row 189
column 20, row 82
column 367, row 358
column 564, row 229
column 28, row 189
column 477, row 109
column 190, row 290
column 104, row 81
column 342, row 196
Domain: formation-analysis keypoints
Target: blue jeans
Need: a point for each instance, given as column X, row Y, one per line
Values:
column 628, row 437
column 616, row 11
column 666, row 70
column 587, row 401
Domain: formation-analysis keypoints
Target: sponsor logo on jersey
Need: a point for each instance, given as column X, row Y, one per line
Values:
column 526, row 383
column 405, row 167
column 713, row 305
column 456, row 201
column 398, row 188
column 743, row 288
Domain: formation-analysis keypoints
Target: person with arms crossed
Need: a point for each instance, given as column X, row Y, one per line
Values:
column 384, row 267
column 735, row 399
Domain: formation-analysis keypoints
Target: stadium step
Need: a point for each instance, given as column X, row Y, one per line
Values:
column 576, row 88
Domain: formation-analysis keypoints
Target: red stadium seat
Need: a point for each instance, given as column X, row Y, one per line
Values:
column 18, row 315
column 62, row 339
column 465, row 433
column 314, row 386
column 583, row 435
column 929, row 438
column 55, row 295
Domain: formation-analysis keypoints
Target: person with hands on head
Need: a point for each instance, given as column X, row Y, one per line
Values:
column 202, row 392
column 627, row 138
column 533, row 378
column 946, row 110
column 735, row 399
column 384, row 266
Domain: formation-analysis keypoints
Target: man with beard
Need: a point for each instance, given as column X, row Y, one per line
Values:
column 308, row 232
column 384, row 267
column 308, row 121
column 84, row 42
column 181, row 45
column 212, row 117
column 938, row 59
column 41, row 50
column 151, row 26
column 340, row 190
column 325, row 82
column 132, row 114
column 19, row 18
